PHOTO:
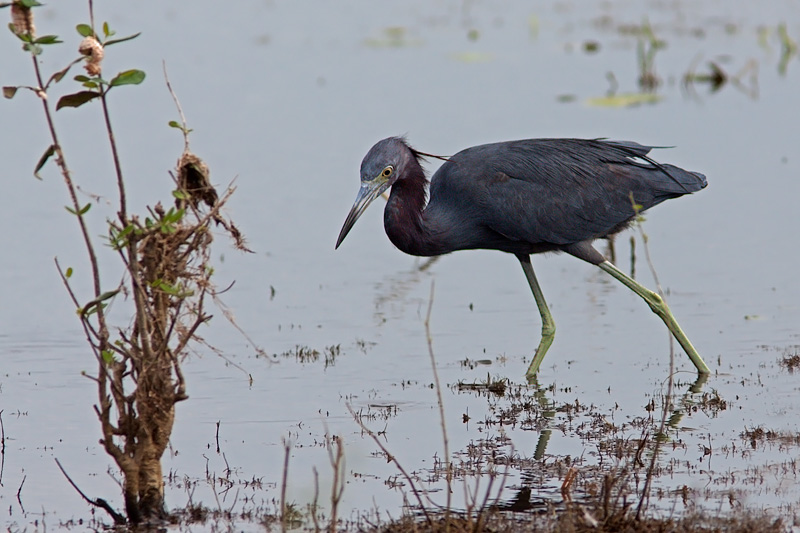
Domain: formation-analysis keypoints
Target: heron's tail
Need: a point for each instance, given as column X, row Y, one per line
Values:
column 678, row 182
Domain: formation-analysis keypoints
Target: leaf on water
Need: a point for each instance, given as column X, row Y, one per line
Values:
column 392, row 37
column 128, row 77
column 85, row 30
column 121, row 40
column 42, row 160
column 625, row 100
column 472, row 57
column 533, row 26
column 9, row 92
column 76, row 99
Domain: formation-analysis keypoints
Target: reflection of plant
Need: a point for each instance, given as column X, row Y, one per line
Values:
column 165, row 254
column 746, row 80
column 788, row 49
column 646, row 48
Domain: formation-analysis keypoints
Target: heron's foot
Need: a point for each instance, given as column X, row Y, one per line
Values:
column 548, row 334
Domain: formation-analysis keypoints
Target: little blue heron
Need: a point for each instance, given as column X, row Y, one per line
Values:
column 524, row 197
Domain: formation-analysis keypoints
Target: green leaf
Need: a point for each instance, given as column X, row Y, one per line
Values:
column 85, row 30
column 48, row 39
column 107, row 31
column 9, row 92
column 24, row 37
column 180, row 195
column 82, row 211
column 174, row 215
column 68, row 273
column 108, row 356
column 91, row 307
column 122, row 40
column 91, row 310
column 119, row 239
column 90, row 83
column 29, row 3
column 128, row 77
column 76, row 99
column 173, row 290
column 176, row 125
column 42, row 160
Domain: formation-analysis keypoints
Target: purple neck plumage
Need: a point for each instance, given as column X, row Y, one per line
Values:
column 403, row 217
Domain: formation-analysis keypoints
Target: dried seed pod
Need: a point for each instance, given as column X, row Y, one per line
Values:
column 22, row 19
column 193, row 178
column 93, row 50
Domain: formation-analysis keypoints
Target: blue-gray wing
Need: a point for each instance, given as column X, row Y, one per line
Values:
column 556, row 191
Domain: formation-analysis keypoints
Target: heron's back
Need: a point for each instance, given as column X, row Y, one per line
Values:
column 551, row 192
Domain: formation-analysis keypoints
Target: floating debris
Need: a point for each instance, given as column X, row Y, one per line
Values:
column 393, row 37
column 472, row 57
column 625, row 100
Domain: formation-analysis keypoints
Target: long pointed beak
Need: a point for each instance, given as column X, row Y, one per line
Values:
column 366, row 194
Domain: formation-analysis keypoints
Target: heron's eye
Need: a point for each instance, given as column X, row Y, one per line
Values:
column 387, row 171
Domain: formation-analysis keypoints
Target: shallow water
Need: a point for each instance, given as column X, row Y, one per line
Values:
column 286, row 98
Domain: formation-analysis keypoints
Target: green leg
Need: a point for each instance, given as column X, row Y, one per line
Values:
column 548, row 325
column 659, row 307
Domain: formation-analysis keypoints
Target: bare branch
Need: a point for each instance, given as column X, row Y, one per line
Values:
column 99, row 502
column 442, row 420
column 180, row 109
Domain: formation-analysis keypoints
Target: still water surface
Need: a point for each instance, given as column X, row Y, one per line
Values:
column 286, row 98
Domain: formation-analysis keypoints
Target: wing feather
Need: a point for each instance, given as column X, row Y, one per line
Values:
column 556, row 191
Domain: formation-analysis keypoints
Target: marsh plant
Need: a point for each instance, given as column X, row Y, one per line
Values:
column 164, row 254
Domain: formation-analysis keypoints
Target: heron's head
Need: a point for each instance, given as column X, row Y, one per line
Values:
column 384, row 164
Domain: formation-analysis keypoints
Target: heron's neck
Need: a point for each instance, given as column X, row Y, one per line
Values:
column 403, row 216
